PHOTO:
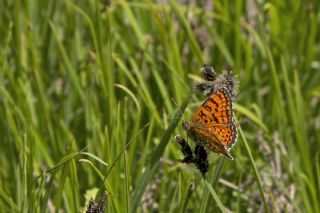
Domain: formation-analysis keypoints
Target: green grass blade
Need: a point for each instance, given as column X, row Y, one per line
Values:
column 256, row 173
column 8, row 201
column 156, row 154
column 215, row 196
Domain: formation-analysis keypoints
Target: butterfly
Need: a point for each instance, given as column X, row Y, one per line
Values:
column 212, row 124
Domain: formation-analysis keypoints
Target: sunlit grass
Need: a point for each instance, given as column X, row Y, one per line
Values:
column 81, row 80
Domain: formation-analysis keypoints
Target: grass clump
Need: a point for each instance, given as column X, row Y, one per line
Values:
column 80, row 80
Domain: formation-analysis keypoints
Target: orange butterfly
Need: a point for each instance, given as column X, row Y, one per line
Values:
column 212, row 125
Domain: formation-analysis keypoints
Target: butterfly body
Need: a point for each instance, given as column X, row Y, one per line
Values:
column 212, row 125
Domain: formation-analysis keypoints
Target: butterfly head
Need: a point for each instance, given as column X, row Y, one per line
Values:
column 185, row 125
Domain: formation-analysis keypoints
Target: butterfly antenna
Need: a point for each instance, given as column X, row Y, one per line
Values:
column 178, row 106
column 182, row 120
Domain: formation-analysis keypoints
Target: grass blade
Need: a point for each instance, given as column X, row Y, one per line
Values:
column 256, row 173
column 156, row 154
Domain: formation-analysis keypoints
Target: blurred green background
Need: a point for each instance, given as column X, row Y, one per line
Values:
column 82, row 79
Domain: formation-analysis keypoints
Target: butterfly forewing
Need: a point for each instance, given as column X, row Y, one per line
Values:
column 217, row 109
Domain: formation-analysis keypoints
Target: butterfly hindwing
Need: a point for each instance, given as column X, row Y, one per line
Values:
column 206, row 137
column 227, row 134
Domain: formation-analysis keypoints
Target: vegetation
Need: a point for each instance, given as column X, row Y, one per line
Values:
column 88, row 99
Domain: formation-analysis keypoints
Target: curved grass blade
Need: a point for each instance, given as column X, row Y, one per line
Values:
column 215, row 197
column 192, row 187
column 156, row 154
column 245, row 111
column 106, row 185
column 117, row 158
column 8, row 200
column 265, row 205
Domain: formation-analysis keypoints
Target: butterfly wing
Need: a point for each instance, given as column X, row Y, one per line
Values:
column 217, row 109
column 227, row 134
column 206, row 137
column 213, row 121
